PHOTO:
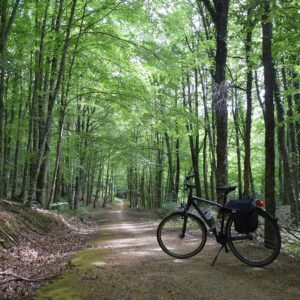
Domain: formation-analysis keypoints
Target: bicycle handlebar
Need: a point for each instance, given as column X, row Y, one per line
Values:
column 188, row 177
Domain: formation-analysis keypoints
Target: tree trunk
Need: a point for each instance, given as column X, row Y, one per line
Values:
column 9, row 120
column 42, row 178
column 291, row 135
column 296, row 85
column 252, row 183
column 142, row 189
column 29, row 140
column 130, row 187
column 261, row 103
column 269, row 80
column 105, row 198
column 219, row 15
column 177, row 178
column 18, row 144
column 5, row 27
column 288, row 183
column 171, row 191
column 205, row 169
column 247, row 137
column 194, row 143
column 98, row 186
column 208, row 130
column 159, row 172
column 39, row 96
column 77, row 192
column 220, row 93
column 58, row 155
column 235, row 112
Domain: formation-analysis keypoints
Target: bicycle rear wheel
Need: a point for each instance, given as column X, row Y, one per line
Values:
column 259, row 248
column 176, row 241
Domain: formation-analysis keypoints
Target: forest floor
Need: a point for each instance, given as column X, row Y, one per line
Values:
column 123, row 261
column 45, row 242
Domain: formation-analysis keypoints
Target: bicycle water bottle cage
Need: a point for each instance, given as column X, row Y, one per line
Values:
column 244, row 214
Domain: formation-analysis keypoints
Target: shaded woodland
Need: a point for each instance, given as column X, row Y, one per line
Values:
column 104, row 96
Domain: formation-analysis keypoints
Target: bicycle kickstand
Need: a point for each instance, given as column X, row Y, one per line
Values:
column 215, row 259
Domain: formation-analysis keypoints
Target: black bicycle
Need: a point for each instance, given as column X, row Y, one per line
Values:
column 251, row 233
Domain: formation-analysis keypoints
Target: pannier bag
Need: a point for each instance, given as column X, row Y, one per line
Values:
column 244, row 214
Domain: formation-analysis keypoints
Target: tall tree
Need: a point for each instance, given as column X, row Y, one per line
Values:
column 269, row 82
column 281, row 132
column 6, row 25
column 218, row 11
column 247, row 139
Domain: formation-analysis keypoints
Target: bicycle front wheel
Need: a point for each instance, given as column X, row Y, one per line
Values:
column 259, row 248
column 181, row 236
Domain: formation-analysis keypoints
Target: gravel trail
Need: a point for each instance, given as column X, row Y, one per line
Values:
column 125, row 262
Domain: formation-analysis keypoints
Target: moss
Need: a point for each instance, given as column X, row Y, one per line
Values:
column 293, row 249
column 40, row 220
column 37, row 216
column 101, row 239
column 65, row 288
column 70, row 285
column 88, row 258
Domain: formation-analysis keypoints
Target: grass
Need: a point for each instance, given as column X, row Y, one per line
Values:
column 71, row 285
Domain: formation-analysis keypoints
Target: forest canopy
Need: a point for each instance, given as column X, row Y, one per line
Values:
column 99, row 97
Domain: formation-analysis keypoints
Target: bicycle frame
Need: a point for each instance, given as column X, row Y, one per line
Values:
column 220, row 236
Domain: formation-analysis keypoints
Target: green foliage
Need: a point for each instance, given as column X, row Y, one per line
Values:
column 124, row 89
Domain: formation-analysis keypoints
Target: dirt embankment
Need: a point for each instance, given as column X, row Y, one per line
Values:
column 37, row 247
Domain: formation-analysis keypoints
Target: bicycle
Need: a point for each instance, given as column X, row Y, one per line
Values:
column 183, row 234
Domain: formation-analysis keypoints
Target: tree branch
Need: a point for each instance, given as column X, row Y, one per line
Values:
column 104, row 16
column 210, row 8
column 8, row 236
column 188, row 43
column 12, row 17
column 18, row 277
column 114, row 36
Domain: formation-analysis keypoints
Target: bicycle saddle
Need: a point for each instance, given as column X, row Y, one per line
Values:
column 226, row 189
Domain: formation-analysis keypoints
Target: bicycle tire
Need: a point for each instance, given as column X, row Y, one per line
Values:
column 259, row 248
column 169, row 235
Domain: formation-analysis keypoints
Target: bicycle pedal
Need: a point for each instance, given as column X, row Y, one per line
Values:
column 210, row 233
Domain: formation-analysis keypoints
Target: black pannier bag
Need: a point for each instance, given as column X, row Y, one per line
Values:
column 244, row 214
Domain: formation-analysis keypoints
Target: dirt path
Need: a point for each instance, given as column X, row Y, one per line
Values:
column 126, row 263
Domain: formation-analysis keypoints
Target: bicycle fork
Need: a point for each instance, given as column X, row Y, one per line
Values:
column 184, row 217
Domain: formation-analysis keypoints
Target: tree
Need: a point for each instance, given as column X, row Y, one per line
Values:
column 6, row 25
column 247, row 139
column 219, row 14
column 269, row 82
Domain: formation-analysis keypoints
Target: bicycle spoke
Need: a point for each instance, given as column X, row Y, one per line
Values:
column 171, row 240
